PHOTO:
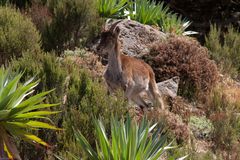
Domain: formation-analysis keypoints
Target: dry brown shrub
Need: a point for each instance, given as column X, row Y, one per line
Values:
column 172, row 122
column 180, row 129
column 184, row 57
column 185, row 109
column 90, row 62
column 181, row 107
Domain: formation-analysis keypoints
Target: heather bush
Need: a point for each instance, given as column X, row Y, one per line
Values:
column 225, row 49
column 39, row 14
column 73, row 21
column 23, row 4
column 226, row 123
column 3, row 2
column 184, row 57
column 16, row 3
column 82, row 98
column 93, row 101
column 17, row 34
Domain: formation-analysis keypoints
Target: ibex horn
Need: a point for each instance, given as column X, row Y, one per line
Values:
column 114, row 25
column 106, row 24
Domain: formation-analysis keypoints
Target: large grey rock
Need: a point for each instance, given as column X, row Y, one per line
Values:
column 136, row 37
column 169, row 87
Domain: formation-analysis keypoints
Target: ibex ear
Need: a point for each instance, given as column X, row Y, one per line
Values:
column 117, row 31
column 104, row 28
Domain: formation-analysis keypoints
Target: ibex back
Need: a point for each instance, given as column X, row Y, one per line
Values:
column 124, row 72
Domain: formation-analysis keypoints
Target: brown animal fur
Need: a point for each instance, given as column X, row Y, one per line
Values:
column 124, row 72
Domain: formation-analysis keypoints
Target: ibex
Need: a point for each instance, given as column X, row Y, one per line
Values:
column 124, row 72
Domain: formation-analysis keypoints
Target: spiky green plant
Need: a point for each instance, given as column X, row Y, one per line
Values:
column 19, row 113
column 129, row 140
column 111, row 8
column 173, row 23
column 147, row 12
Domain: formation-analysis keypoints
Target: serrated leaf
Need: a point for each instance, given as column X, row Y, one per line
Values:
column 16, row 113
column 33, row 114
column 36, row 139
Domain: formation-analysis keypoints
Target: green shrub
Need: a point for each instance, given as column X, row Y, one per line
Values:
column 17, row 34
column 3, row 2
column 72, row 22
column 92, row 101
column 225, row 49
column 82, row 98
column 17, row 3
column 21, row 4
column 184, row 57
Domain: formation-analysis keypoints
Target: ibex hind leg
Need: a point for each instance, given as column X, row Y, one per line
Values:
column 133, row 94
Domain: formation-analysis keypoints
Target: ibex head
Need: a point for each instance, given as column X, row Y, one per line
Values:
column 109, row 39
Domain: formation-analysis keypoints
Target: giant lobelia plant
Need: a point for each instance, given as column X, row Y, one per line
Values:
column 111, row 8
column 129, row 140
column 19, row 113
column 147, row 12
